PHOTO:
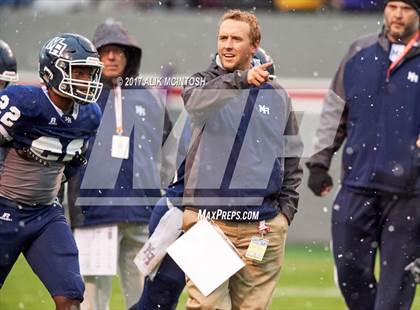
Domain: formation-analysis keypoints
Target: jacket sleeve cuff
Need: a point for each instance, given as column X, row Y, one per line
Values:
column 289, row 213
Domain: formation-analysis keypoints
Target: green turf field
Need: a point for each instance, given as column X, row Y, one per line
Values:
column 306, row 282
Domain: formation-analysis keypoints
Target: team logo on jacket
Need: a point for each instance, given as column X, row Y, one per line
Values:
column 262, row 108
column 140, row 110
column 412, row 77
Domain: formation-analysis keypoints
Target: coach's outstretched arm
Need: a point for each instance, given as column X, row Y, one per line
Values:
column 201, row 99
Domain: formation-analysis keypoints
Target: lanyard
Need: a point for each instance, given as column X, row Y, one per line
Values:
column 263, row 228
column 118, row 110
column 397, row 61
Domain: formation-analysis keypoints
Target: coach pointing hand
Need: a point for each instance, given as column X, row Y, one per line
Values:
column 259, row 74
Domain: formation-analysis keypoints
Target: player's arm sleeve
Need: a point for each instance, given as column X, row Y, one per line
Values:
column 97, row 116
column 168, row 165
column 73, row 192
column 69, row 171
column 167, row 126
column 77, row 163
column 200, row 100
column 175, row 191
column 288, row 197
column 332, row 129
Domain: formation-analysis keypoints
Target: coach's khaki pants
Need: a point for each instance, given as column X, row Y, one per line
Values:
column 253, row 286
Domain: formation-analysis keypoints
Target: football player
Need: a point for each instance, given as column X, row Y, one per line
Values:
column 46, row 129
column 8, row 73
column 8, row 67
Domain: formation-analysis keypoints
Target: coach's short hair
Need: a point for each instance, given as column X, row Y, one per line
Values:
column 249, row 18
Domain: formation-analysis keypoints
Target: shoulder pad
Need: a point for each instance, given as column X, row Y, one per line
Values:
column 25, row 98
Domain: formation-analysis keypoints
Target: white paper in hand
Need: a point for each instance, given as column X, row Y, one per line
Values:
column 120, row 146
column 97, row 250
column 166, row 232
column 205, row 257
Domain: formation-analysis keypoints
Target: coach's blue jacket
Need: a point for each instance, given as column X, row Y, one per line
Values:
column 244, row 154
column 379, row 115
column 113, row 190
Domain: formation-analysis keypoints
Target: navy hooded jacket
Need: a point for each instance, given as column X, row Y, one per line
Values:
column 113, row 190
column 240, row 155
column 379, row 115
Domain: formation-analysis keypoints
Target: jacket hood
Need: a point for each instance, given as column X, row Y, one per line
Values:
column 115, row 33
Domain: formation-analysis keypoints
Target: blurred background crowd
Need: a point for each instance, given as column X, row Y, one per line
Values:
column 271, row 5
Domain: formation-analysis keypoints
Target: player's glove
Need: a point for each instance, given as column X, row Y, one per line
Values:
column 319, row 180
column 79, row 160
column 414, row 268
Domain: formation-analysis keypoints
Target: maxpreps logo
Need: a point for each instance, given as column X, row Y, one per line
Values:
column 6, row 217
column 224, row 215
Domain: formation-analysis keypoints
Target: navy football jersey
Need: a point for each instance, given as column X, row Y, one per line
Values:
column 28, row 118
column 34, row 128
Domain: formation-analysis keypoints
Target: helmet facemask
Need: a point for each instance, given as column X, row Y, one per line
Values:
column 9, row 76
column 84, row 91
